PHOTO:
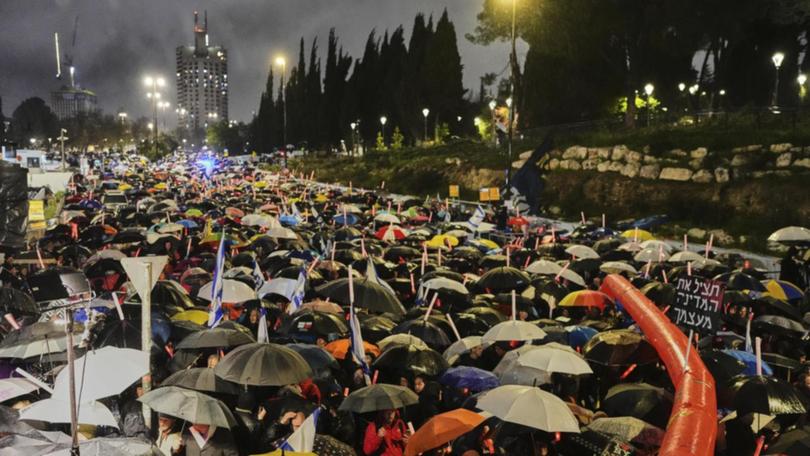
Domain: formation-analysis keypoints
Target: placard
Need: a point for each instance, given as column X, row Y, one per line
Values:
column 36, row 210
column 494, row 194
column 483, row 194
column 698, row 303
column 454, row 191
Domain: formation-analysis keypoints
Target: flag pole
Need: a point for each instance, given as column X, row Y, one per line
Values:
column 146, row 341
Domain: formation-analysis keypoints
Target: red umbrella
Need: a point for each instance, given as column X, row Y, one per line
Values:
column 390, row 232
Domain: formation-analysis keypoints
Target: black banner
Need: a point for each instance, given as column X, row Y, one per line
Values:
column 698, row 303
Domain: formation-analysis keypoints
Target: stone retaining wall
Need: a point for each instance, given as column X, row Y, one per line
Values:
column 699, row 165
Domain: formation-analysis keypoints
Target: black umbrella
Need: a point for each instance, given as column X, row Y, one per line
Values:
column 489, row 315
column 619, row 347
column 774, row 324
column 722, row 366
column 379, row 397
column 262, row 364
column 740, row 281
column 15, row 301
column 640, row 400
column 662, row 294
column 182, row 328
column 766, row 395
column 309, row 325
column 412, row 359
column 503, row 279
column 215, row 338
column 376, row 327
column 429, row 332
column 201, row 379
column 317, row 357
column 470, row 325
column 795, row 442
column 771, row 305
column 367, row 295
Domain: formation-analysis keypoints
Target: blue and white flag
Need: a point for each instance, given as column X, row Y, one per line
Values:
column 477, row 218
column 258, row 276
column 297, row 298
column 356, row 337
column 216, row 313
column 303, row 439
column 296, row 213
column 262, row 336
column 371, row 274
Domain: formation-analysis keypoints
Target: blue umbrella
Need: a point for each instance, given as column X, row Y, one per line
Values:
column 350, row 219
column 472, row 378
column 89, row 204
column 188, row 223
column 578, row 336
column 289, row 220
column 750, row 361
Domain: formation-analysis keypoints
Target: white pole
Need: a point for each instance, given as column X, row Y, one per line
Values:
column 146, row 340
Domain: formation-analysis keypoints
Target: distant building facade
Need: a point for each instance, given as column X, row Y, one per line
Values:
column 202, row 81
column 69, row 102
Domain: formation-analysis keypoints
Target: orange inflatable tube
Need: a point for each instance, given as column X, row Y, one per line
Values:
column 692, row 428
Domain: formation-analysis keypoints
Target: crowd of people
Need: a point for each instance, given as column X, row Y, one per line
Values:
column 294, row 317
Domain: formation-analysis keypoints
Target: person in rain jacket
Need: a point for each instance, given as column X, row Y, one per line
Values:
column 386, row 436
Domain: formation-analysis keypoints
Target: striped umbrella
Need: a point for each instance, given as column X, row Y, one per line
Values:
column 783, row 290
column 586, row 298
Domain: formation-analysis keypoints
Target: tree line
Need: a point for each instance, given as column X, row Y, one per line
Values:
column 394, row 79
column 585, row 56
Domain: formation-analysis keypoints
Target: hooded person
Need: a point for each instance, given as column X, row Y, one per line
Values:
column 386, row 435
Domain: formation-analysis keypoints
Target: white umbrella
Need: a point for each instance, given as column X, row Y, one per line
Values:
column 529, row 406
column 443, row 283
column 108, row 446
column 281, row 286
column 232, row 291
column 171, row 228
column 790, row 234
column 573, row 277
column 279, row 232
column 350, row 208
column 685, row 257
column 107, row 253
column 582, row 251
column 387, row 218
column 58, row 411
column 656, row 244
column 554, row 357
column 523, row 375
column 461, row 347
column 401, row 339
column 513, row 330
column 544, row 267
column 104, row 372
column 615, row 267
column 630, row 247
column 703, row 262
column 651, row 254
column 260, row 220
column 15, row 387
column 37, row 347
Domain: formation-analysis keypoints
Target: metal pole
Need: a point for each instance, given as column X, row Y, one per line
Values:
column 284, row 115
column 62, row 138
column 154, row 114
column 425, row 128
column 513, row 62
column 71, row 359
column 776, row 90
column 146, row 341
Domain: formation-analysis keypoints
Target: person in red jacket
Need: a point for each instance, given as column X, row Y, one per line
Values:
column 386, row 436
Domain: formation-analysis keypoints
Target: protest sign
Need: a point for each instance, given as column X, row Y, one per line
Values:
column 698, row 303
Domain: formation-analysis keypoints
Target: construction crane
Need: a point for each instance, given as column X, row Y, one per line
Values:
column 68, row 56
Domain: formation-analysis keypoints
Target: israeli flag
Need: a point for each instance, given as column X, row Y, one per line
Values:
column 303, row 439
column 216, row 313
column 297, row 298
column 258, row 276
column 356, row 337
column 296, row 213
column 262, row 336
column 477, row 218
column 371, row 275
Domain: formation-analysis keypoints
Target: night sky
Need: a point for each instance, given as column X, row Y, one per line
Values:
column 119, row 41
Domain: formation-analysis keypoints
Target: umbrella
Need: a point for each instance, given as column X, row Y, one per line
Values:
column 722, row 366
column 215, row 338
column 767, row 395
column 639, row 400
column 197, row 316
column 513, row 330
column 430, row 333
column 740, row 281
column 445, row 284
column 685, row 257
column 387, row 218
column 232, row 291
column 311, row 324
column 615, row 267
column 461, row 347
column 504, row 279
column 15, row 387
column 411, row 358
column 263, row 364
column 317, row 357
column 651, row 254
column 391, row 233
column 471, row 378
column 630, row 429
column 582, row 251
column 750, row 362
column 379, row 397
column 529, row 406
column 367, row 294
column 554, row 357
column 342, row 347
column 201, row 379
column 795, row 442
column 441, row 429
column 401, row 339
column 108, row 446
column 104, row 372
column 58, row 411
column 778, row 325
column 586, row 298
column 192, row 406
column 544, row 267
column 619, row 348
column 18, row 302
column 790, row 234
column 784, row 290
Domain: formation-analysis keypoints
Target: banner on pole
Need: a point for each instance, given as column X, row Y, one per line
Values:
column 453, row 193
column 698, row 303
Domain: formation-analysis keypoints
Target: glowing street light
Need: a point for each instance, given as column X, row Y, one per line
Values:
column 425, row 113
column 492, row 105
column 383, row 121
column 681, row 86
column 777, row 58
column 154, row 83
column 648, row 89
column 802, row 80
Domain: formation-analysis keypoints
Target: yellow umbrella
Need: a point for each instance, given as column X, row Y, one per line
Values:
column 285, row 453
column 489, row 243
column 194, row 212
column 194, row 315
column 260, row 184
column 160, row 186
column 321, row 198
column 444, row 239
column 640, row 235
column 124, row 187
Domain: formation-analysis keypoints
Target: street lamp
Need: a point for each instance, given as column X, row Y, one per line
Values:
column 648, row 91
column 492, row 106
column 802, row 79
column 383, row 121
column 353, row 126
column 777, row 58
column 425, row 113
column 154, row 83
column 512, row 83
column 282, row 62
column 681, row 86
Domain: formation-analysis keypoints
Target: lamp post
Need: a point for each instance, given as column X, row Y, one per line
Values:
column 282, row 62
column 154, row 83
column 648, row 91
column 802, row 80
column 62, row 138
column 425, row 113
column 492, row 106
column 383, row 121
column 777, row 58
column 512, row 81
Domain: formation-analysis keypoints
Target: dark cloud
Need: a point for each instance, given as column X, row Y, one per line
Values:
column 121, row 40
